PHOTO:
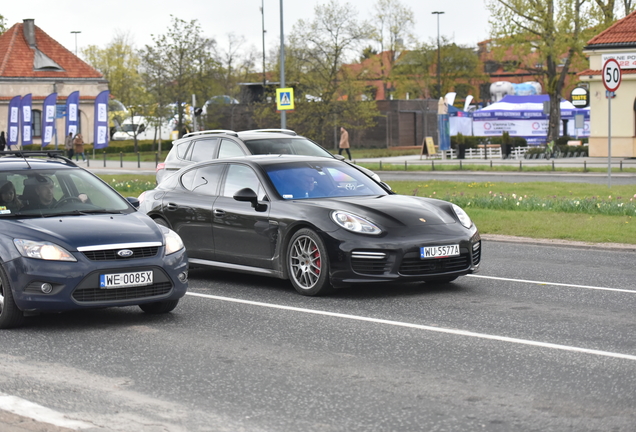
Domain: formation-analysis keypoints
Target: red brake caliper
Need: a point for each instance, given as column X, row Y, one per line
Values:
column 316, row 254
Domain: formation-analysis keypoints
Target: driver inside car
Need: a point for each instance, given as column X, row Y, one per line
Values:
column 42, row 197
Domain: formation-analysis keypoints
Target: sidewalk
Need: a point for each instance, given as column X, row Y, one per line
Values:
column 98, row 165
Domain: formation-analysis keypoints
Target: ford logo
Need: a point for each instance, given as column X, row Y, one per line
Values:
column 125, row 253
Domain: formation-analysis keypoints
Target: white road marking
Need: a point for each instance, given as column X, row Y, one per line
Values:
column 554, row 283
column 423, row 327
column 39, row 413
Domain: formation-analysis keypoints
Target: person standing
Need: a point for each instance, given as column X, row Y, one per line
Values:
column 78, row 144
column 3, row 141
column 344, row 142
column 68, row 145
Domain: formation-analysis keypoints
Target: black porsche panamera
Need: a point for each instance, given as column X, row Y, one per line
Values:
column 320, row 223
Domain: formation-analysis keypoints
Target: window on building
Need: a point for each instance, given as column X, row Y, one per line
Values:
column 36, row 125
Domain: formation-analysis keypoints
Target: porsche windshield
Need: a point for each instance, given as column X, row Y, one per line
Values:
column 299, row 180
column 56, row 192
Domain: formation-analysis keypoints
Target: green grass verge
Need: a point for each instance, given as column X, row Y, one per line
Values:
column 517, row 209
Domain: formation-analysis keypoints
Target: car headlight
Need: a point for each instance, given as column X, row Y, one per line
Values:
column 173, row 242
column 464, row 219
column 42, row 250
column 354, row 223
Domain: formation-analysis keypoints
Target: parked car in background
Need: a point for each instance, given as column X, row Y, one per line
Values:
column 70, row 241
column 217, row 144
column 316, row 221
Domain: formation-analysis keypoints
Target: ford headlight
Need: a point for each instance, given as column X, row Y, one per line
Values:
column 463, row 217
column 354, row 223
column 42, row 250
column 173, row 242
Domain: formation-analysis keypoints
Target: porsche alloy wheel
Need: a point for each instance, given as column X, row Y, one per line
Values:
column 308, row 264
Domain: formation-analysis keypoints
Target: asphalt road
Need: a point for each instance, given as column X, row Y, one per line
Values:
column 540, row 340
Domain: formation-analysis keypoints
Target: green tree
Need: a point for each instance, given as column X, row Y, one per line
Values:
column 547, row 36
column 3, row 27
column 120, row 62
column 607, row 11
column 175, row 64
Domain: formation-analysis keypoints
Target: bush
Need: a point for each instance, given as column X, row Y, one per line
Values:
column 127, row 146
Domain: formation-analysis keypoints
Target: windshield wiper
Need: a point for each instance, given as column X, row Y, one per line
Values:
column 82, row 212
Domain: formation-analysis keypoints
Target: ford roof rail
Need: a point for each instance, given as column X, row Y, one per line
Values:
column 24, row 154
column 283, row 131
column 213, row 131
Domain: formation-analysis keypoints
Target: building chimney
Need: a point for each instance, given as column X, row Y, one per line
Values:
column 28, row 28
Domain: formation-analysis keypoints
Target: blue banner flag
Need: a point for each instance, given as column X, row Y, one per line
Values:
column 13, row 132
column 48, row 119
column 72, row 114
column 101, row 135
column 443, row 126
column 26, row 119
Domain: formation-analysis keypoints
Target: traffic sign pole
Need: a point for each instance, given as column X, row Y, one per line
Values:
column 611, row 80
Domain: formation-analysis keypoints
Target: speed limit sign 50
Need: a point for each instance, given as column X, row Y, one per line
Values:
column 611, row 75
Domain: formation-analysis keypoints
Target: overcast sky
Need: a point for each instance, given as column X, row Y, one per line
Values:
column 463, row 21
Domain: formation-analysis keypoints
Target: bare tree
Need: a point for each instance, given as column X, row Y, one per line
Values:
column 393, row 23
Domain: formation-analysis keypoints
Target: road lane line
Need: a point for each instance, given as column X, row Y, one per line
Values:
column 24, row 408
column 554, row 283
column 422, row 327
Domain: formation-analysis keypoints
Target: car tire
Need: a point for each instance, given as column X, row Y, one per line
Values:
column 159, row 307
column 442, row 280
column 308, row 263
column 10, row 315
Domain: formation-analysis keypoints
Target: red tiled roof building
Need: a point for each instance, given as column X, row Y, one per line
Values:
column 32, row 62
column 617, row 41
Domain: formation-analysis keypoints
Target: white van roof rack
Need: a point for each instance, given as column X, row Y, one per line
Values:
column 214, row 131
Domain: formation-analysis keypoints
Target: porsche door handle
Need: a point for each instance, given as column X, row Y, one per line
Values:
column 219, row 212
column 172, row 206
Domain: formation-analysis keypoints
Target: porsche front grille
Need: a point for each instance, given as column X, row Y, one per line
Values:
column 412, row 266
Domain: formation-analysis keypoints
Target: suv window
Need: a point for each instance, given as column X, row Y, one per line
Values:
column 230, row 149
column 202, row 150
column 300, row 146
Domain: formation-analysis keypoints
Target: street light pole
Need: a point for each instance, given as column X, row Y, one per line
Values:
column 75, row 32
column 283, row 114
column 439, row 59
column 263, row 24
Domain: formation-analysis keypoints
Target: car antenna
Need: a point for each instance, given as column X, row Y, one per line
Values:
column 17, row 153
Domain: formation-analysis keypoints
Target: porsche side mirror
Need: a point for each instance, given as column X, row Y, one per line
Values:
column 248, row 195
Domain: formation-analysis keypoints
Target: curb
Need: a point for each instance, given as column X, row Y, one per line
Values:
column 621, row 247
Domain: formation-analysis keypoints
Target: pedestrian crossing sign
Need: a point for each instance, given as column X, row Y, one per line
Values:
column 284, row 99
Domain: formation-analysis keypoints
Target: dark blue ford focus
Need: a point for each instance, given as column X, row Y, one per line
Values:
column 69, row 241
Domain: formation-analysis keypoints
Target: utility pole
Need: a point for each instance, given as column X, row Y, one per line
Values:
column 439, row 57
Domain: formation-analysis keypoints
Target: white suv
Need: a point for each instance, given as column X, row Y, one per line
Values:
column 216, row 144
